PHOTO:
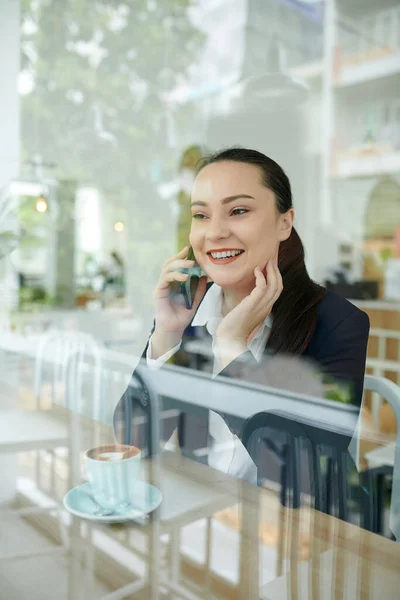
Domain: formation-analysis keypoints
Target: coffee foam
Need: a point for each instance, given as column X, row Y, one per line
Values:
column 112, row 452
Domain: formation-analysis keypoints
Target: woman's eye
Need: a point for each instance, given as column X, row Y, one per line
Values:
column 239, row 211
column 198, row 216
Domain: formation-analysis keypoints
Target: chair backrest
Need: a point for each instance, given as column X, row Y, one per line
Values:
column 107, row 392
column 137, row 417
column 386, row 389
column 389, row 391
column 55, row 351
column 305, row 450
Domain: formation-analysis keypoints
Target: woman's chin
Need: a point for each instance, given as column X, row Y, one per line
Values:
column 226, row 281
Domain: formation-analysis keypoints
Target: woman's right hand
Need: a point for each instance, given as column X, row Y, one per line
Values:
column 172, row 316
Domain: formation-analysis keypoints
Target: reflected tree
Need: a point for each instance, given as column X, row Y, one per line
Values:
column 97, row 76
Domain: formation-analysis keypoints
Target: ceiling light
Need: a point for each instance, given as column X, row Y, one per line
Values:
column 41, row 204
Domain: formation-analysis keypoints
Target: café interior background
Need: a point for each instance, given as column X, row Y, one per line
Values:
column 106, row 108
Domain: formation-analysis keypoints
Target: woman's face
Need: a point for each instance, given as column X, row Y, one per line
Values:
column 233, row 212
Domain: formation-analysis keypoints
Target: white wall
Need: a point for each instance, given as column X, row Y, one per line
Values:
column 9, row 166
column 9, row 130
column 9, row 68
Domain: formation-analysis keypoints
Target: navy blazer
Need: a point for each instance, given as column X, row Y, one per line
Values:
column 340, row 340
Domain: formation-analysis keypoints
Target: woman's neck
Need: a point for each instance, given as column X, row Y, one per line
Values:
column 231, row 298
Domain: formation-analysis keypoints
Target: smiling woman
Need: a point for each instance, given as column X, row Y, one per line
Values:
column 258, row 222
column 259, row 300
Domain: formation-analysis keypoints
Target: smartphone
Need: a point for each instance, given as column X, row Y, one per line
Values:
column 189, row 287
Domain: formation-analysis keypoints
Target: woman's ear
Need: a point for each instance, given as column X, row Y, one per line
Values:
column 285, row 225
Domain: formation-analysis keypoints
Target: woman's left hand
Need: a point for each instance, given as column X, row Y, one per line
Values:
column 240, row 324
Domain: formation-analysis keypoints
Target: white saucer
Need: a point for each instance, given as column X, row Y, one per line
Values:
column 147, row 499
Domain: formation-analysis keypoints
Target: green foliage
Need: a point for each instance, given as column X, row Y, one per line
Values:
column 385, row 254
column 338, row 392
column 95, row 118
column 33, row 224
column 101, row 119
column 189, row 160
column 33, row 299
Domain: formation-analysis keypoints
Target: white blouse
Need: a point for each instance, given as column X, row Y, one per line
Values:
column 226, row 453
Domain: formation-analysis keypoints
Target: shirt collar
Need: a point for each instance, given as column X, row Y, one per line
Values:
column 210, row 310
column 211, row 306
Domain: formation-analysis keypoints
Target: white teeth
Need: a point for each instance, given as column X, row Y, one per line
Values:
column 226, row 254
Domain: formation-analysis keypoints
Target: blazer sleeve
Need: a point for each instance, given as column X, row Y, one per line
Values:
column 342, row 353
column 238, row 368
column 147, row 343
column 340, row 356
column 134, row 402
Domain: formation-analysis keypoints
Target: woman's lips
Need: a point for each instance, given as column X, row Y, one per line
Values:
column 224, row 261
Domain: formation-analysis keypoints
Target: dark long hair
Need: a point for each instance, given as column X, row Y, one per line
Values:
column 295, row 311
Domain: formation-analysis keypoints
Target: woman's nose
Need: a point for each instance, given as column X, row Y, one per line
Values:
column 217, row 229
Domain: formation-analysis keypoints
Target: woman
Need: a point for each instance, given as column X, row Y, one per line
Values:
column 262, row 300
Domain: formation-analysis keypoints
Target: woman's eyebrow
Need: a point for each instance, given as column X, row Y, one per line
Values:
column 224, row 200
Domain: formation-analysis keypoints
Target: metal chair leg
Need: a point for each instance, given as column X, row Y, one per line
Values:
column 367, row 503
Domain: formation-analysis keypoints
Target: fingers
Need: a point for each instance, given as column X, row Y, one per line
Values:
column 260, row 288
column 170, row 277
column 184, row 252
column 261, row 282
column 175, row 265
column 278, row 277
column 274, row 278
column 271, row 278
column 170, row 271
column 268, row 288
column 259, row 291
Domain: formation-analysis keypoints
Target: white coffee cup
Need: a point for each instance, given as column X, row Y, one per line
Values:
column 112, row 472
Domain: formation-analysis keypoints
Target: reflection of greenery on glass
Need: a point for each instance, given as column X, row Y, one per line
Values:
column 9, row 241
column 334, row 390
column 101, row 116
column 32, row 222
column 189, row 161
column 385, row 253
column 340, row 392
column 34, row 298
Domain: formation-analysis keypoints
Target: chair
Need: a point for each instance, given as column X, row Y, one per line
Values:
column 330, row 446
column 291, row 435
column 43, row 429
column 308, row 453
column 389, row 456
column 327, row 464
column 58, row 352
